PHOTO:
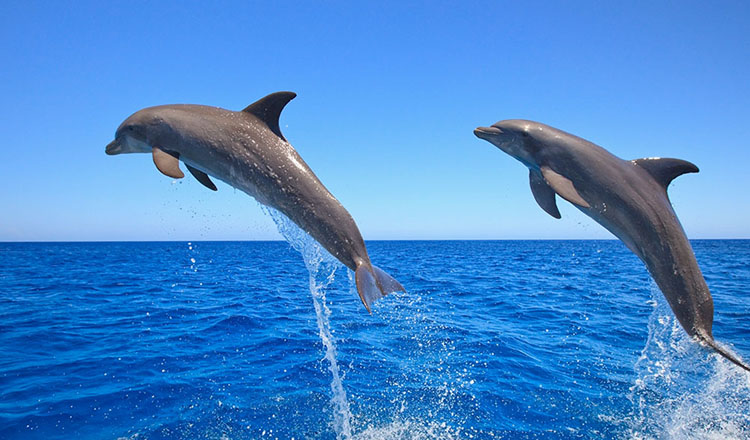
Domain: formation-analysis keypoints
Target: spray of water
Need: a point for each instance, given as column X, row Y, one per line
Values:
column 322, row 268
column 684, row 391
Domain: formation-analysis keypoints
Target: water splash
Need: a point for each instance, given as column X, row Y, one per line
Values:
column 322, row 268
column 685, row 391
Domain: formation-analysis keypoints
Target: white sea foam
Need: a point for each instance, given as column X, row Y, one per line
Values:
column 684, row 391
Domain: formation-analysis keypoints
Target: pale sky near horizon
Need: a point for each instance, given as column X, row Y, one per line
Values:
column 388, row 96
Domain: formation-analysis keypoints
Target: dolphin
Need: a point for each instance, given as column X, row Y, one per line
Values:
column 627, row 197
column 246, row 150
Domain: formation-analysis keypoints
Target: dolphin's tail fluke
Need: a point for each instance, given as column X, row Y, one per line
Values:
column 373, row 284
column 723, row 351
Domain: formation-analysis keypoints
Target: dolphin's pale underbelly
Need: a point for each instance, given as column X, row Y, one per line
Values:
column 661, row 244
column 268, row 169
column 304, row 201
column 240, row 181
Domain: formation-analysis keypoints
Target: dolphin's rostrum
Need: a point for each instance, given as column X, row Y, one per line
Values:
column 247, row 150
column 629, row 198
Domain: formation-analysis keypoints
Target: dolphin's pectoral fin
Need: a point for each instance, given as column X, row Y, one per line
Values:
column 664, row 170
column 543, row 194
column 201, row 177
column 268, row 109
column 375, row 284
column 563, row 186
column 166, row 163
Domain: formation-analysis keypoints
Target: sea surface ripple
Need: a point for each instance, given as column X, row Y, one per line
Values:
column 494, row 339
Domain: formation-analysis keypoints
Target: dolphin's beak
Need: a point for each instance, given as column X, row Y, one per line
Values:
column 487, row 132
column 113, row 147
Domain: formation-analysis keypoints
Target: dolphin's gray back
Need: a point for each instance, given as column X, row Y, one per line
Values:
column 635, row 207
column 241, row 150
column 247, row 150
column 629, row 198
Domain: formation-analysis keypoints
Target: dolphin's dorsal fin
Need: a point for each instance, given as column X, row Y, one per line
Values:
column 201, row 177
column 269, row 109
column 543, row 194
column 664, row 170
column 563, row 186
column 166, row 163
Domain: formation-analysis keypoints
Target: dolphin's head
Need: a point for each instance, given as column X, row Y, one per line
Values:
column 517, row 137
column 136, row 134
column 168, row 133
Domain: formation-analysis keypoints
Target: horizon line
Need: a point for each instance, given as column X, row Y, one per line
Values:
column 374, row 240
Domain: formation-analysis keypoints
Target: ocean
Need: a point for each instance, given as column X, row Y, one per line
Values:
column 255, row 340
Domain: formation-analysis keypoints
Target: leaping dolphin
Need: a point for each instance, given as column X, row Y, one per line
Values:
column 629, row 198
column 246, row 150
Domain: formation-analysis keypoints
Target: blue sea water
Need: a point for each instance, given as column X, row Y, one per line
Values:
column 249, row 340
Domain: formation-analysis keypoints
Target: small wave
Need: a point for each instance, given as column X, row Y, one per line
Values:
column 233, row 323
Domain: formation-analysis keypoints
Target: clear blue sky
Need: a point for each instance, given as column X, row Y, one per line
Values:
column 388, row 96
